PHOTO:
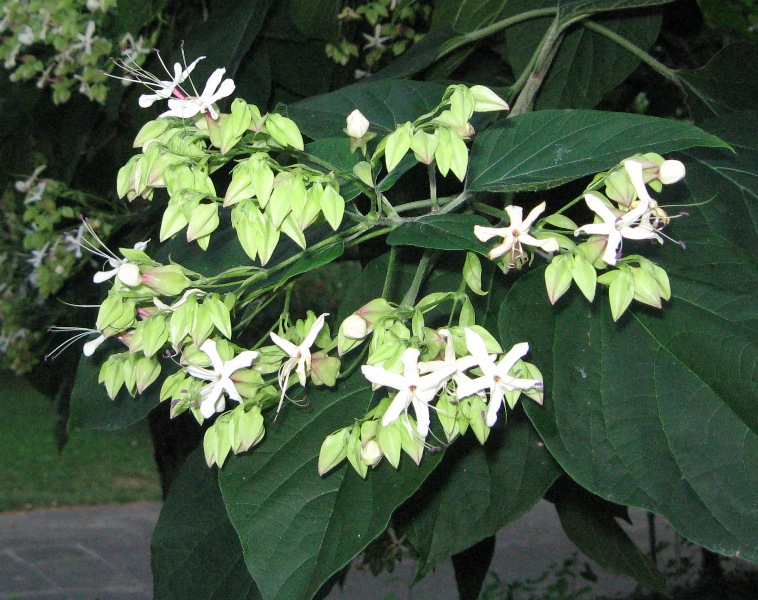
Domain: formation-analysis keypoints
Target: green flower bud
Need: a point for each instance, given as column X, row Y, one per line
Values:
column 203, row 222
column 241, row 186
column 478, row 419
column 284, row 131
column 249, row 429
column 396, row 145
column 354, row 447
column 558, row 277
column 646, row 288
column 154, row 334
column 167, row 280
column 424, row 145
column 363, row 171
column 446, row 413
column 371, row 453
column 173, row 220
column 485, row 100
column 112, row 374
column 324, row 369
column 411, row 444
column 147, row 371
column 390, row 444
column 462, row 104
column 150, row 132
column 219, row 313
column 235, row 125
column 263, row 182
column 333, row 450
column 332, row 206
column 584, row 275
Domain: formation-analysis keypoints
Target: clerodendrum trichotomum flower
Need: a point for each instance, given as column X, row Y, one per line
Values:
column 215, row 89
column 220, row 378
column 496, row 378
column 413, row 388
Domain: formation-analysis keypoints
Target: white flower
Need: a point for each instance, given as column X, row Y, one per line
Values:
column 496, row 377
column 163, row 306
column 413, row 388
column 126, row 272
column 26, row 36
column 357, row 124
column 81, row 332
column 220, row 378
column 516, row 234
column 215, row 89
column 299, row 356
column 162, row 90
column 618, row 227
column 86, row 39
column 377, row 40
column 460, row 365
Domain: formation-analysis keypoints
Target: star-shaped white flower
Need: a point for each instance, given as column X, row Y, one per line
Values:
column 631, row 225
column 220, row 378
column 299, row 356
column 87, row 38
column 162, row 90
column 377, row 40
column 413, row 388
column 516, row 234
column 496, row 377
column 215, row 89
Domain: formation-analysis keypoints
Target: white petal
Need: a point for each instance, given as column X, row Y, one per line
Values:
column 285, row 345
column 210, row 350
column 381, row 376
column 634, row 170
column 473, row 386
column 532, row 216
column 496, row 401
column 92, row 345
column 600, row 208
column 316, row 328
column 485, row 234
column 242, row 361
column 511, row 358
column 422, row 417
column 515, row 214
column 396, row 408
column 476, row 347
column 101, row 276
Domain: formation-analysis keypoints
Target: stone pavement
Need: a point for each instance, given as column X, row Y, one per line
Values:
column 87, row 553
column 103, row 553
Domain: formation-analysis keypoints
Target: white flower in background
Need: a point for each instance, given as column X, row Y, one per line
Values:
column 496, row 377
column 413, row 388
column 86, row 39
column 132, row 49
column 377, row 40
column 26, row 36
column 299, row 357
column 220, row 378
column 629, row 225
column 516, row 234
column 215, row 89
column 126, row 272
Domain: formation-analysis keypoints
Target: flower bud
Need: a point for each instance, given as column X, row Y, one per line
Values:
column 167, row 280
column 371, row 453
column 150, row 132
column 128, row 274
column 357, row 124
column 671, row 171
column 355, row 327
column 485, row 100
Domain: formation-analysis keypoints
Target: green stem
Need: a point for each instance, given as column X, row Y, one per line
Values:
column 427, row 260
column 488, row 210
column 657, row 66
column 487, row 31
column 424, row 204
column 548, row 49
column 433, row 186
column 391, row 265
column 460, row 199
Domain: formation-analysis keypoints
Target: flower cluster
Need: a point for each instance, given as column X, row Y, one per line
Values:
column 624, row 210
column 61, row 44
column 454, row 371
column 374, row 31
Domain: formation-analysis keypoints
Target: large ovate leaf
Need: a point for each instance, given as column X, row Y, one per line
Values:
column 417, row 57
column 91, row 408
column 571, row 9
column 196, row 554
column 466, row 15
column 483, row 489
column 298, row 528
column 441, row 232
column 660, row 410
column 545, row 148
column 728, row 83
column 384, row 103
column 587, row 64
column 315, row 18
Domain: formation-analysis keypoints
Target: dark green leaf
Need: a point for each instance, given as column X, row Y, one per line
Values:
column 196, row 553
column 571, row 9
column 472, row 566
column 313, row 259
column 315, row 18
column 598, row 535
column 418, row 57
column 296, row 527
column 441, row 232
column 718, row 175
column 466, row 15
column 587, row 64
column 484, row 489
column 226, row 36
column 728, row 83
column 333, row 154
column 384, row 103
column 546, row 148
column 91, row 408
column 635, row 422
